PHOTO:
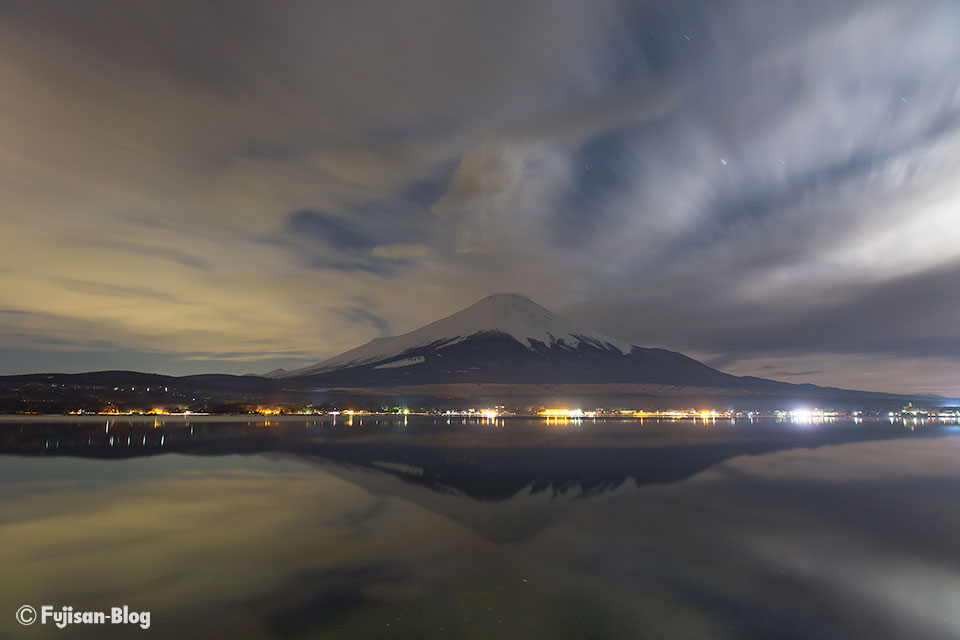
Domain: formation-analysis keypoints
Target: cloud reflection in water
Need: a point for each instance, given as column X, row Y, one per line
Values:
column 849, row 540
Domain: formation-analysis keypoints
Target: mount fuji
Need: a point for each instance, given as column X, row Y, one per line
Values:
column 507, row 338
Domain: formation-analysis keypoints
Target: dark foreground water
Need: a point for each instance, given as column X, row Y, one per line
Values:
column 516, row 529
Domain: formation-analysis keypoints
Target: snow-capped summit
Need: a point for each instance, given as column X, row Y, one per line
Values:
column 509, row 315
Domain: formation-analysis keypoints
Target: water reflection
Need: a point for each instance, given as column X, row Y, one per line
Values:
column 271, row 535
column 480, row 458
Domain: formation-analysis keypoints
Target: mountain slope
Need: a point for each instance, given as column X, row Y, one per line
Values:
column 507, row 314
column 507, row 338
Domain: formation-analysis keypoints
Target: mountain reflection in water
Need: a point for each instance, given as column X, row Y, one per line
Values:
column 299, row 530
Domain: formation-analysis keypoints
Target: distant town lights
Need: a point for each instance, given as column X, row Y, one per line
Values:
column 567, row 413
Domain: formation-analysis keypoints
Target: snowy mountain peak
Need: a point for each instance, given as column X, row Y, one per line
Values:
column 523, row 319
column 511, row 314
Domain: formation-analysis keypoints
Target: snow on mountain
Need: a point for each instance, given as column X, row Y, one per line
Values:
column 405, row 362
column 510, row 314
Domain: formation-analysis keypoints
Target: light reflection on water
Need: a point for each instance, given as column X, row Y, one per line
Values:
column 291, row 536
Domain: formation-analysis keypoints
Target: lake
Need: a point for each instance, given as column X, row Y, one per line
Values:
column 424, row 527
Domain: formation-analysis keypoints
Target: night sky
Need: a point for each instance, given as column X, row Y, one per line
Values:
column 772, row 187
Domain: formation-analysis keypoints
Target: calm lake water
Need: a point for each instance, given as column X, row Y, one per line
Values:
column 420, row 528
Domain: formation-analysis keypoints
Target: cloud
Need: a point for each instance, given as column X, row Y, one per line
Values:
column 328, row 230
column 365, row 316
column 400, row 251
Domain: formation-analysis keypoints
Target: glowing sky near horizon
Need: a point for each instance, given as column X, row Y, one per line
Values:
column 771, row 187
